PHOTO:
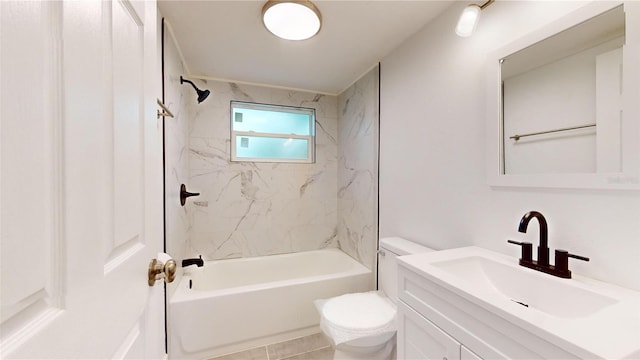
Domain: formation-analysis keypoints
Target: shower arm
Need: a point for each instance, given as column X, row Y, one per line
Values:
column 182, row 80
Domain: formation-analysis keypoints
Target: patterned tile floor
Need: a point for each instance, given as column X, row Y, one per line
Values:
column 312, row 347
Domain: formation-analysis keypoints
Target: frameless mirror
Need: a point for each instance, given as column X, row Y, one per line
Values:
column 561, row 103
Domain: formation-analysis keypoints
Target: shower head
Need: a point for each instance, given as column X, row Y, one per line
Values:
column 202, row 94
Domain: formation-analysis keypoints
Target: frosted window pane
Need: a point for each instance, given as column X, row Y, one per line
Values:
column 271, row 119
column 272, row 133
column 256, row 147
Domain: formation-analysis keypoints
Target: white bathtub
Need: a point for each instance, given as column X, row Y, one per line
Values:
column 238, row 304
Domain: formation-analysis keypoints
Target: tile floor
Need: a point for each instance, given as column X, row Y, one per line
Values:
column 312, row 347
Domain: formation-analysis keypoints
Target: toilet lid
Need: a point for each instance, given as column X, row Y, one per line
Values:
column 360, row 311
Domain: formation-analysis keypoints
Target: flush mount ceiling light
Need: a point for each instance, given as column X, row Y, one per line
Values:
column 291, row 20
column 469, row 19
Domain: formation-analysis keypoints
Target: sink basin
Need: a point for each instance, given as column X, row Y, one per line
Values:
column 526, row 287
column 593, row 318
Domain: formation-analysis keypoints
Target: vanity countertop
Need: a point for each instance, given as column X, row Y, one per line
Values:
column 582, row 315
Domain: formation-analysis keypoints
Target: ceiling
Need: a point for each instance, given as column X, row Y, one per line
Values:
column 225, row 40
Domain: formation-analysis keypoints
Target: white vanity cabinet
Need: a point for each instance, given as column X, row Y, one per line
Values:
column 435, row 323
column 471, row 303
column 419, row 338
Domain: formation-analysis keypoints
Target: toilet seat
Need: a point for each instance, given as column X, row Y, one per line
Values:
column 358, row 315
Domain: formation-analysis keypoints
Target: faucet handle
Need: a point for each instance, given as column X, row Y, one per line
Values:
column 562, row 261
column 578, row 257
column 526, row 250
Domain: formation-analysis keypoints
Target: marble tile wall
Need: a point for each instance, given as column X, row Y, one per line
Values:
column 358, row 127
column 251, row 209
column 176, row 140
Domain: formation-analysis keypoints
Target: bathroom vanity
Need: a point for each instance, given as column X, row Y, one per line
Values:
column 472, row 303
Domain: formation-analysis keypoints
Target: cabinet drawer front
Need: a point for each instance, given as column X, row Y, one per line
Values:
column 418, row 338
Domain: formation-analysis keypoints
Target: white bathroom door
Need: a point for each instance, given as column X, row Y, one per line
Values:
column 81, row 180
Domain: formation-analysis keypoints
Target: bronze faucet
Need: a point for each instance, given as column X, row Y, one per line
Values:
column 561, row 267
column 543, row 245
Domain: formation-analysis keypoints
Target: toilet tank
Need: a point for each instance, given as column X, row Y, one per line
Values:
column 390, row 249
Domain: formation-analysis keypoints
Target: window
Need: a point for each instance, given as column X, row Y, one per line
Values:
column 272, row 133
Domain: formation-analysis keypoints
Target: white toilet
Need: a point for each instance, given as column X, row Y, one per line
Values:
column 363, row 325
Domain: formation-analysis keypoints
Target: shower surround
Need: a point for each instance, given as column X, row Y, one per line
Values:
column 176, row 139
column 358, row 129
column 249, row 209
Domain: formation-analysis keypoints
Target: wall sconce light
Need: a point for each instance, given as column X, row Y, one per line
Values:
column 469, row 19
column 291, row 19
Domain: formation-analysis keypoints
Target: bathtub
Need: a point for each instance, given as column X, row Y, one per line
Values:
column 237, row 304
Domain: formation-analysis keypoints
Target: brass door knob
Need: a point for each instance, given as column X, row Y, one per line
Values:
column 170, row 270
column 158, row 270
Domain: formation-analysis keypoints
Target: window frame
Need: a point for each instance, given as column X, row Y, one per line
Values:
column 311, row 138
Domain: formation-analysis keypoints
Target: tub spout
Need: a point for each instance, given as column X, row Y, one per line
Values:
column 195, row 261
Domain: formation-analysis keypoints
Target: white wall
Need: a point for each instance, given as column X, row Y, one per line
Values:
column 433, row 185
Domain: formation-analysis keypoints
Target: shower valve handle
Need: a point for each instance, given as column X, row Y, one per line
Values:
column 184, row 194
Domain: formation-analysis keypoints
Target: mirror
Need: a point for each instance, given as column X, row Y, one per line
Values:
column 560, row 108
column 550, row 93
